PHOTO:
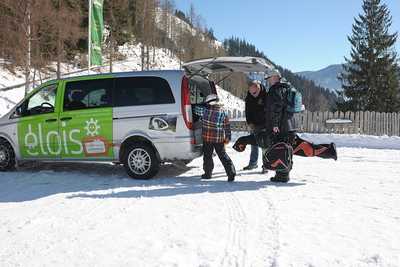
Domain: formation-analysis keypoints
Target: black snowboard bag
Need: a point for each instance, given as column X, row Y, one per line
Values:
column 279, row 157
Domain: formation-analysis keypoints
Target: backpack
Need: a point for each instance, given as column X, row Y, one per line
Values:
column 278, row 157
column 294, row 100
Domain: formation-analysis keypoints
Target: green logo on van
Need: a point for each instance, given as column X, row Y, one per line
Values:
column 84, row 135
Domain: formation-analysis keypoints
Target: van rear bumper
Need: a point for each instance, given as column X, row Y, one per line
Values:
column 178, row 150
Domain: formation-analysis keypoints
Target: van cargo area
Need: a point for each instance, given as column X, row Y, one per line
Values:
column 200, row 88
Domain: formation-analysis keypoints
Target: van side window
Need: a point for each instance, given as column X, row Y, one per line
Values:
column 88, row 94
column 43, row 101
column 136, row 91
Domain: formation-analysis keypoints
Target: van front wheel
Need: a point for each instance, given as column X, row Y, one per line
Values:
column 7, row 156
column 140, row 161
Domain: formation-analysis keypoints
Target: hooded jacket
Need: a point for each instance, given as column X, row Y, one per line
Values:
column 276, row 114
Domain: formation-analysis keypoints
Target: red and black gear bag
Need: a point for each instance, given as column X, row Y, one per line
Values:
column 278, row 157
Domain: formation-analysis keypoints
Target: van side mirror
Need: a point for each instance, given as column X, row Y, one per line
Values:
column 17, row 113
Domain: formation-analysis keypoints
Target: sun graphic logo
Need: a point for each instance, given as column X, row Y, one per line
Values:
column 92, row 127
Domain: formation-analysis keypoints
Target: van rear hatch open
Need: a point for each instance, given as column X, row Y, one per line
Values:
column 200, row 87
column 205, row 67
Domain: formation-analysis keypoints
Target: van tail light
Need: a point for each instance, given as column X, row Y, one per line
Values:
column 186, row 105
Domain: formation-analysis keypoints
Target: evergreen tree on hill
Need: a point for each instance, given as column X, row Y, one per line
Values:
column 370, row 78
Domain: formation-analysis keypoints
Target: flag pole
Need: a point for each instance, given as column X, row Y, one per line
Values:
column 89, row 36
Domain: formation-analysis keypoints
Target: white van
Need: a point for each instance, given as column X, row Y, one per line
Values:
column 139, row 119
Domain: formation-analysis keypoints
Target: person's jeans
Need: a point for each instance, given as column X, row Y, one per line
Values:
column 254, row 152
column 253, row 156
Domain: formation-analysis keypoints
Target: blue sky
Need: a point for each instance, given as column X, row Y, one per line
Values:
column 297, row 34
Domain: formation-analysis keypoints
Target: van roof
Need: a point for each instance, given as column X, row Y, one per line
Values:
column 119, row 74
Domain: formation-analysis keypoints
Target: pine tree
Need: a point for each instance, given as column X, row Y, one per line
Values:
column 370, row 77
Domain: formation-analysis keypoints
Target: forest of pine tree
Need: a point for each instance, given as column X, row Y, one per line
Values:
column 315, row 98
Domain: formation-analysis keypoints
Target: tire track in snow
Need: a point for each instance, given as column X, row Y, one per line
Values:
column 273, row 225
column 235, row 252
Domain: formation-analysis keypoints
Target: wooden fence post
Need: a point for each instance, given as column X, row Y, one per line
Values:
column 364, row 121
column 372, row 123
column 303, row 120
column 326, row 116
column 383, row 119
column 369, row 123
column 335, row 116
column 309, row 121
column 391, row 124
column 361, row 131
column 357, row 123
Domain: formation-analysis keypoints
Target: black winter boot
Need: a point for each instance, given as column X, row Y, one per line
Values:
column 280, row 177
column 231, row 172
column 332, row 150
column 264, row 170
column 250, row 167
column 206, row 176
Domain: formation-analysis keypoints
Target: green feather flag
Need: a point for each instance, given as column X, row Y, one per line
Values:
column 96, row 31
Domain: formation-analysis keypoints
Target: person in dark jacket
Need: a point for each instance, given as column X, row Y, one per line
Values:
column 216, row 133
column 278, row 121
column 255, row 117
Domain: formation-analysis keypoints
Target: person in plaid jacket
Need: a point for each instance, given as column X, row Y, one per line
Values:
column 216, row 133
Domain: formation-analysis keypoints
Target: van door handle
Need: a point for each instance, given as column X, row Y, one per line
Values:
column 51, row 120
column 66, row 119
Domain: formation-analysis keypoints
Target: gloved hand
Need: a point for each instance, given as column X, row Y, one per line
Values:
column 239, row 147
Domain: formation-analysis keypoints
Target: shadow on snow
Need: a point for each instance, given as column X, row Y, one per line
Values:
column 82, row 180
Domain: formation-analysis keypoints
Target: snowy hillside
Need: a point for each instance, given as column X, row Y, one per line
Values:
column 132, row 63
column 233, row 104
column 342, row 213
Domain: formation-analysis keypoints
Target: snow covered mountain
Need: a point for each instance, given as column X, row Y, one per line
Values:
column 326, row 77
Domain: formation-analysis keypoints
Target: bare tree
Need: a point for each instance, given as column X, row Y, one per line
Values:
column 19, row 22
column 117, row 22
column 65, row 19
column 40, row 30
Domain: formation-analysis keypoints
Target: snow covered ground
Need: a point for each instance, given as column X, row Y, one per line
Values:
column 343, row 213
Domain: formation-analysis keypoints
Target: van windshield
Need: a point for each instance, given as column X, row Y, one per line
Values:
column 200, row 88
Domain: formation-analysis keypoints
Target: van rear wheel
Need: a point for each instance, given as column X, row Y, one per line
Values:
column 140, row 161
column 7, row 156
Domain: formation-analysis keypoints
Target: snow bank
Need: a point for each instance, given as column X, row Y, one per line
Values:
column 347, row 140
